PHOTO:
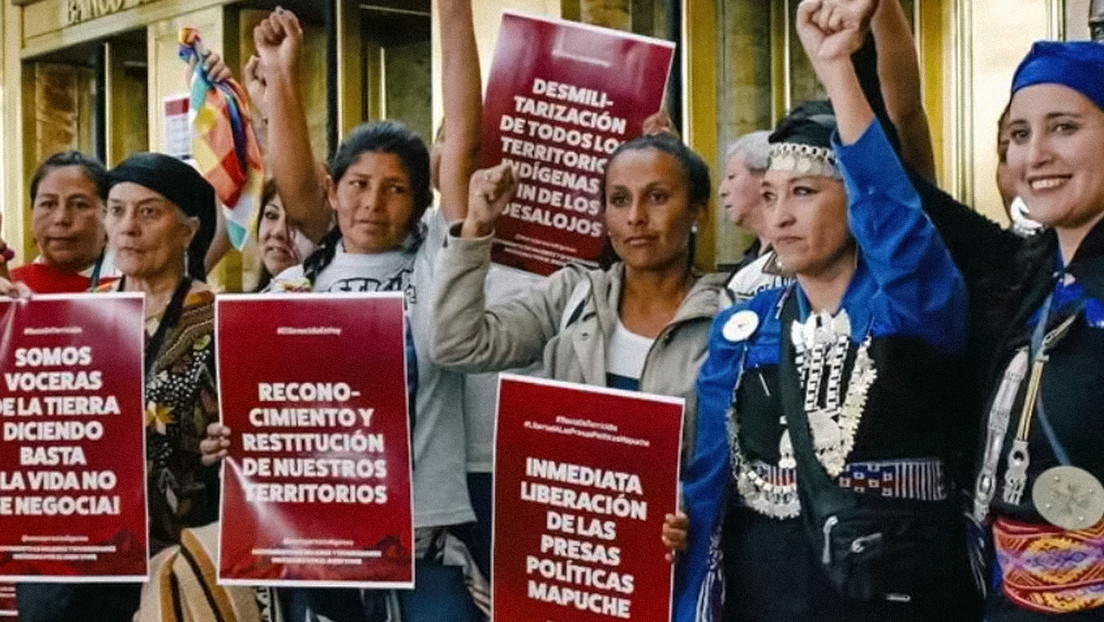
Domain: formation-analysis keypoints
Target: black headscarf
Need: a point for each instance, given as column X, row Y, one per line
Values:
column 183, row 185
column 810, row 123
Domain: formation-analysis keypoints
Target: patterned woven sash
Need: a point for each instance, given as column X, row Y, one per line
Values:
column 1048, row 569
column 920, row 478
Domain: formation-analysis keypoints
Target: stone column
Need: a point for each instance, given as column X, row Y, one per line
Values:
column 608, row 13
column 1096, row 20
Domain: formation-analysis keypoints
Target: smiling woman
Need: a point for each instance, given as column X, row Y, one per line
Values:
column 1056, row 135
column 1039, row 304
column 281, row 243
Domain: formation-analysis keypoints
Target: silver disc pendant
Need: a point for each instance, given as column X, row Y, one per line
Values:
column 1069, row 497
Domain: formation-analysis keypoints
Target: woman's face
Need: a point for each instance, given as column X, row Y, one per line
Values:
column 739, row 191
column 67, row 219
column 1055, row 155
column 374, row 202
column 648, row 211
column 275, row 236
column 806, row 221
column 148, row 233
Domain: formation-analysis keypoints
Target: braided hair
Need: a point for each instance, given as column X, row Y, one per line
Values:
column 381, row 137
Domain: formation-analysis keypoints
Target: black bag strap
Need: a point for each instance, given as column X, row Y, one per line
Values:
column 820, row 497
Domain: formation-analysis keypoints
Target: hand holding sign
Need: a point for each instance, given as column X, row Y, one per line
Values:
column 14, row 290
column 490, row 191
column 676, row 528
column 216, row 446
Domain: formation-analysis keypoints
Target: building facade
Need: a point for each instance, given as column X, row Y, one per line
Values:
column 102, row 76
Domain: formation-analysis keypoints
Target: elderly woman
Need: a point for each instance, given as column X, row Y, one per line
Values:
column 67, row 193
column 160, row 220
column 819, row 490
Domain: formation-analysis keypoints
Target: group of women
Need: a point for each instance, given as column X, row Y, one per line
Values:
column 920, row 364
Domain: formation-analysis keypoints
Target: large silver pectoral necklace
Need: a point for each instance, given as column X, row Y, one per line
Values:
column 821, row 345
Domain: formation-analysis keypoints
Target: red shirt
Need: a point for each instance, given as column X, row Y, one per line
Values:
column 45, row 279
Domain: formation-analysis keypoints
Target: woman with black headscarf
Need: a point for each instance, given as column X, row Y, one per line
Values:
column 160, row 220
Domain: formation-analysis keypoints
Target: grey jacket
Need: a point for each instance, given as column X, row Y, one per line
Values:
column 470, row 337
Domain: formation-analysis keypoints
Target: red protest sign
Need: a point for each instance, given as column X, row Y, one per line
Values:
column 9, row 609
column 561, row 97
column 73, row 474
column 316, row 490
column 583, row 479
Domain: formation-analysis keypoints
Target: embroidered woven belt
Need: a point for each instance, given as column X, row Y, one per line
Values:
column 1049, row 569
column 920, row 479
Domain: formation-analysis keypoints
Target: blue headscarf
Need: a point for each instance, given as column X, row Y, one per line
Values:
column 1078, row 65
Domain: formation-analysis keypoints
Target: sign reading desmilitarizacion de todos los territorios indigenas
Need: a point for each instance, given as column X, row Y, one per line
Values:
column 561, row 97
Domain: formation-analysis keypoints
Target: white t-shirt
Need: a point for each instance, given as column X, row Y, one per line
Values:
column 440, row 481
column 481, row 390
column 625, row 358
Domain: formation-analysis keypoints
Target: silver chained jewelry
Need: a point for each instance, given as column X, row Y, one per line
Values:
column 821, row 341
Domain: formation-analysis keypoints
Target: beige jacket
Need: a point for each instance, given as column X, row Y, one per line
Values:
column 470, row 337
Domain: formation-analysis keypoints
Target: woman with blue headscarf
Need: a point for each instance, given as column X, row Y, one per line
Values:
column 1038, row 484
column 1037, row 333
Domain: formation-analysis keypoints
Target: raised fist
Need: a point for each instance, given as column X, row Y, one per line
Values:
column 491, row 189
column 279, row 42
column 833, row 29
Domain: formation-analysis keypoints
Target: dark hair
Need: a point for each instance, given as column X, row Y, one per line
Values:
column 379, row 137
column 695, row 169
column 1002, row 147
column 267, row 194
column 809, row 123
column 92, row 168
column 388, row 137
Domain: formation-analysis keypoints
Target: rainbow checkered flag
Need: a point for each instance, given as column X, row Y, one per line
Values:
column 223, row 143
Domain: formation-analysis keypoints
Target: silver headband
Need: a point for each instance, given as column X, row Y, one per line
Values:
column 803, row 160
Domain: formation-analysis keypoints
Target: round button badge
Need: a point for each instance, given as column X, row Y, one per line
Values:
column 740, row 326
